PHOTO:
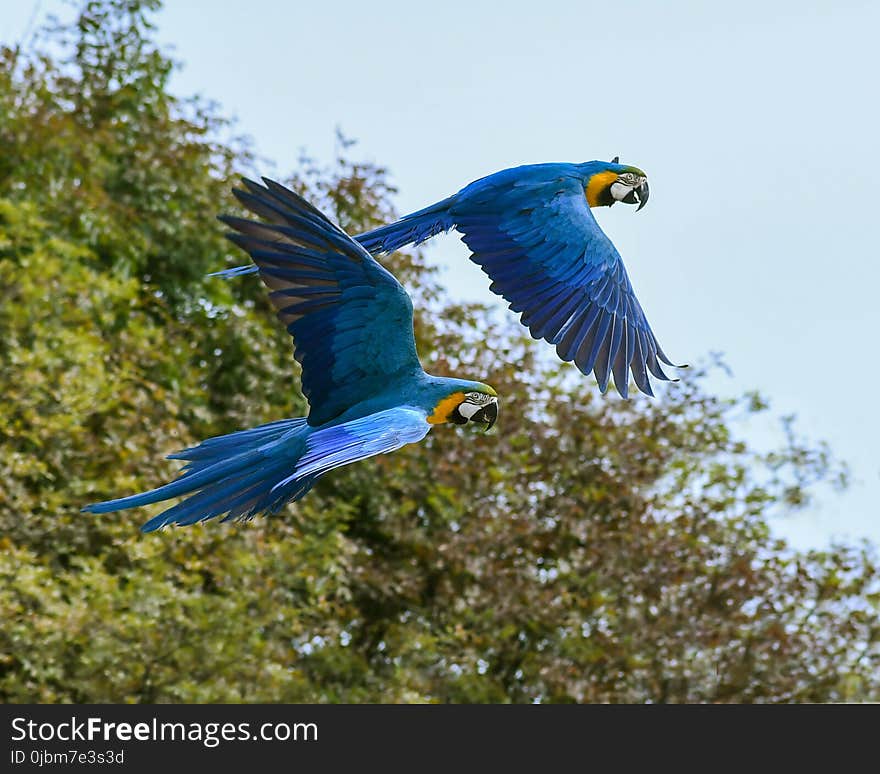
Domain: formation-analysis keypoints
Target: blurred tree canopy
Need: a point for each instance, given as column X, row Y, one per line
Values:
column 592, row 549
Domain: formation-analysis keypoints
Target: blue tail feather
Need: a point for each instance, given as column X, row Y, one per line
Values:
column 412, row 229
column 240, row 475
column 236, row 271
column 236, row 475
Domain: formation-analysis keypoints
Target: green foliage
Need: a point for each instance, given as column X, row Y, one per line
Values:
column 116, row 162
column 590, row 549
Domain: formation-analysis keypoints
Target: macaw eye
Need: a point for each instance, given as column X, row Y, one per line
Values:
column 477, row 397
column 628, row 177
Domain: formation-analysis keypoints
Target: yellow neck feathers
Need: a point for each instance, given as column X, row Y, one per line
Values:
column 444, row 408
column 597, row 184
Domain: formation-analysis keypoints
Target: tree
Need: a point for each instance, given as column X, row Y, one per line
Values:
column 590, row 549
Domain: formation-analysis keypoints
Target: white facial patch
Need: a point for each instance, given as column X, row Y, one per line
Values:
column 467, row 410
column 474, row 403
column 620, row 190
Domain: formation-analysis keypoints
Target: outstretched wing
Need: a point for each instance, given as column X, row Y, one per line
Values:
column 350, row 319
column 547, row 256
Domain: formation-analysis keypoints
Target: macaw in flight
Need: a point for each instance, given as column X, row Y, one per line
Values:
column 352, row 325
column 531, row 230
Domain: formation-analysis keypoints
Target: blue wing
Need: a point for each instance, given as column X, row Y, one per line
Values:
column 351, row 321
column 540, row 244
column 378, row 433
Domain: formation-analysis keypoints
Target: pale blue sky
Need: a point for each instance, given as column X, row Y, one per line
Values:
column 757, row 123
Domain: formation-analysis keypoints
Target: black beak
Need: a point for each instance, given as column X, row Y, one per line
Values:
column 487, row 414
column 642, row 193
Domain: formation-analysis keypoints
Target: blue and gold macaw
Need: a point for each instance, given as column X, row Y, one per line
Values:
column 531, row 230
column 352, row 325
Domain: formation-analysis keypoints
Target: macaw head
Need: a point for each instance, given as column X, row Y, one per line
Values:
column 611, row 182
column 475, row 402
